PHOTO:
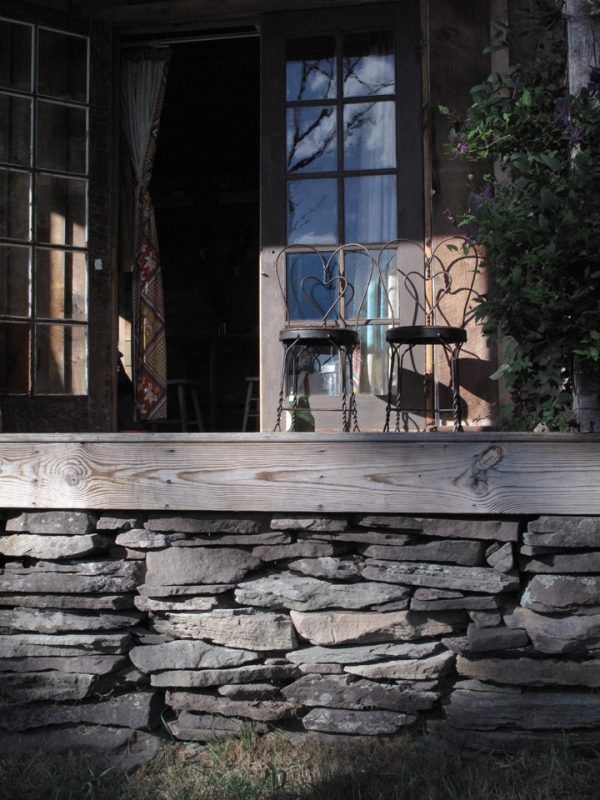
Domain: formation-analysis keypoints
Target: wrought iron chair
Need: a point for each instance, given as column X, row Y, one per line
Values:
column 438, row 319
column 324, row 292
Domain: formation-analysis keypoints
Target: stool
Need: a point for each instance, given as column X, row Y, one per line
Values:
column 187, row 391
column 252, row 404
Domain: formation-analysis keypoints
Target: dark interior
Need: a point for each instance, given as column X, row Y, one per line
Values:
column 205, row 188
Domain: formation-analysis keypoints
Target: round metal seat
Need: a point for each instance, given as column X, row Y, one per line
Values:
column 314, row 337
column 425, row 334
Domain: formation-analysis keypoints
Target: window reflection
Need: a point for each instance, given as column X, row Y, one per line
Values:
column 311, row 139
column 15, row 125
column 369, row 136
column 62, row 65
column 14, row 280
column 61, row 210
column 310, row 69
column 14, row 204
column 369, row 64
column 61, row 137
column 312, row 211
column 15, row 64
column 370, row 208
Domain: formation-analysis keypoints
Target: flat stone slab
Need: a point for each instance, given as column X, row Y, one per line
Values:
column 429, row 668
column 340, row 627
column 142, row 539
column 364, row 723
column 304, row 593
column 359, row 537
column 485, row 619
column 561, row 593
column 570, row 528
column 260, row 710
column 235, row 627
column 199, row 565
column 198, row 679
column 524, row 671
column 203, row 523
column 153, row 604
column 446, row 528
column 474, row 709
column 345, row 691
column 98, row 602
column 189, row 590
column 90, row 665
column 74, row 644
column 469, row 579
column 462, row 602
column 53, row 522
column 306, row 549
column 187, row 655
column 33, row 687
column 509, row 741
column 38, row 621
column 82, row 577
column 456, row 551
column 364, row 654
column 321, row 669
column 484, row 640
column 501, row 558
column 19, row 545
column 193, row 727
column 558, row 635
column 340, row 569
column 136, row 710
column 235, row 540
column 119, row 521
column 564, row 562
column 249, row 691
column 308, row 522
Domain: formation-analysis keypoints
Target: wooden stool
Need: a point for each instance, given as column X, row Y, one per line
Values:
column 252, row 404
column 187, row 391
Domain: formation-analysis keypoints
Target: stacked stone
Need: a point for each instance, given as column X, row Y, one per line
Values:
column 67, row 622
column 313, row 623
column 535, row 678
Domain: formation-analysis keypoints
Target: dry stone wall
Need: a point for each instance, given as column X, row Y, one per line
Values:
column 117, row 626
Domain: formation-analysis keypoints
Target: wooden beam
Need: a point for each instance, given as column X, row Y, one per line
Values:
column 375, row 473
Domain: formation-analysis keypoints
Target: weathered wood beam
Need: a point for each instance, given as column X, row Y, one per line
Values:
column 400, row 473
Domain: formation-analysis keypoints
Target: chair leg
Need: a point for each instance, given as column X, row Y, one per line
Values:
column 388, row 405
column 455, row 380
column 183, row 415
column 197, row 409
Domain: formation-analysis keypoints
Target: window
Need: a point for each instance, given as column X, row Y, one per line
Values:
column 44, row 104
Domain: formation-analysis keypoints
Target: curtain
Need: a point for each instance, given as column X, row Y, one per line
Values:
column 143, row 83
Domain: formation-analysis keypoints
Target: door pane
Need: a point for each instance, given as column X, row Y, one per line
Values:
column 311, row 286
column 312, row 211
column 369, row 136
column 61, row 358
column 370, row 208
column 15, row 127
column 311, row 139
column 310, row 69
column 61, row 285
column 14, row 204
column 62, row 66
column 14, row 358
column 369, row 64
column 14, row 281
column 61, row 137
column 61, row 210
column 15, row 61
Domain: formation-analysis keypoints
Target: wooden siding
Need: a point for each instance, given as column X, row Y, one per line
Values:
column 402, row 473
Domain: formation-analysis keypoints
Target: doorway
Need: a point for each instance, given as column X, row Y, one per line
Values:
column 205, row 188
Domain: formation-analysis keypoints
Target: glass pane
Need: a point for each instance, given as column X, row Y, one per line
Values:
column 370, row 208
column 369, row 136
column 371, row 361
column 15, row 56
column 62, row 65
column 369, row 299
column 14, row 281
column 310, row 69
column 312, row 211
column 61, row 359
column 15, row 130
column 14, row 204
column 61, row 210
column 14, row 358
column 61, row 137
column 61, row 284
column 368, row 64
column 312, row 286
column 311, row 139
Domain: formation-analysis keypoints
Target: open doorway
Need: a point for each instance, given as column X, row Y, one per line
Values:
column 205, row 188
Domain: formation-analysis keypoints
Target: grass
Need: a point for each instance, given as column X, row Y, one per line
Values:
column 269, row 768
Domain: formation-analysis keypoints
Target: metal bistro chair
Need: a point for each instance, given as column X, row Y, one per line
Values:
column 324, row 293
column 437, row 317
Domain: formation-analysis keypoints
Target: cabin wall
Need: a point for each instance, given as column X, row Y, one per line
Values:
column 121, row 628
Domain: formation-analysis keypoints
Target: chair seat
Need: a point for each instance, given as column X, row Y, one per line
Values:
column 425, row 334
column 319, row 336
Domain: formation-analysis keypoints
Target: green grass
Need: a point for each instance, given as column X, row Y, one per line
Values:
column 268, row 768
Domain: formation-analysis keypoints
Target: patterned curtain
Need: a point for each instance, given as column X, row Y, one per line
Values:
column 143, row 83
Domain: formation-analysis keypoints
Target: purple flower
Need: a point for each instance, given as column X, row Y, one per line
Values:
column 460, row 148
column 479, row 200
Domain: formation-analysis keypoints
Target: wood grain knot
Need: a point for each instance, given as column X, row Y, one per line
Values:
column 478, row 480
